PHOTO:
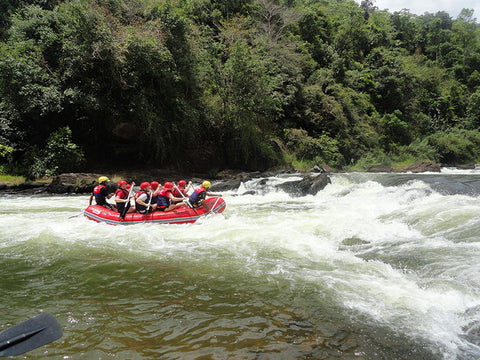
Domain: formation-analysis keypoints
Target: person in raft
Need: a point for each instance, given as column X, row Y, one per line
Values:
column 101, row 194
column 181, row 191
column 198, row 196
column 143, row 199
column 121, row 197
column 155, row 188
column 166, row 200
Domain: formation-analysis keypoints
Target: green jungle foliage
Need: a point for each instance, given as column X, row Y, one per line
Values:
column 210, row 84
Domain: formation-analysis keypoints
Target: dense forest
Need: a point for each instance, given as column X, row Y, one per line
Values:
column 245, row 84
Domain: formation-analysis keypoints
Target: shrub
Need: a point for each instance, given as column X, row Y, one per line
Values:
column 377, row 157
column 59, row 155
column 5, row 153
column 321, row 149
column 457, row 147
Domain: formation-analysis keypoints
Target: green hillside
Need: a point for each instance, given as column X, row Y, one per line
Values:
column 244, row 84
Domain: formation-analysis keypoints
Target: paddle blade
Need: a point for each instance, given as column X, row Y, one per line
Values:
column 124, row 211
column 29, row 335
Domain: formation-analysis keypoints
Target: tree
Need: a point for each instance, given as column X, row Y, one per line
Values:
column 466, row 32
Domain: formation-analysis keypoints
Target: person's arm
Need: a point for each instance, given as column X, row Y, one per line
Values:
column 119, row 199
column 141, row 199
column 212, row 194
column 173, row 198
column 90, row 202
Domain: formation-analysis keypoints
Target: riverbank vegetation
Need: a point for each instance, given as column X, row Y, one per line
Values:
column 246, row 84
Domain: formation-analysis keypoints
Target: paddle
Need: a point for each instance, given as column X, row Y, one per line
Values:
column 149, row 202
column 213, row 207
column 127, row 203
column 71, row 217
column 185, row 200
column 29, row 335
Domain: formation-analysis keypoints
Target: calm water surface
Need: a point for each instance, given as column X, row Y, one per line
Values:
column 375, row 266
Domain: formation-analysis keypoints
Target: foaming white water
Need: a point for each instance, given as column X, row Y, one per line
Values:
column 390, row 227
column 451, row 170
column 400, row 256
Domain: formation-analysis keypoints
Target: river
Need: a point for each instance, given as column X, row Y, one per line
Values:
column 375, row 266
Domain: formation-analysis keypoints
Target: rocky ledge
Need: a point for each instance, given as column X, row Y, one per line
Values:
column 419, row 167
column 309, row 184
column 83, row 183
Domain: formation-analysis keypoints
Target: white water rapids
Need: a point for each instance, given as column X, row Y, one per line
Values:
column 390, row 259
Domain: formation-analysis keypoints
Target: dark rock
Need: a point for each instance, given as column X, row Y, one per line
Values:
column 380, row 168
column 28, row 188
column 316, row 169
column 262, row 182
column 226, row 185
column 327, row 168
column 466, row 167
column 310, row 185
column 79, row 183
column 29, row 185
column 267, row 174
column 424, row 166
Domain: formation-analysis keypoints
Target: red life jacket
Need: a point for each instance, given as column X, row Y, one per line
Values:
column 121, row 193
column 99, row 198
column 164, row 191
column 98, row 188
column 139, row 193
column 179, row 192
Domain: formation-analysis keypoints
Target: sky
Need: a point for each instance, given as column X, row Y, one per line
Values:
column 419, row 7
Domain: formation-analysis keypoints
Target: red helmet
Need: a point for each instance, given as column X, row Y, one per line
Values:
column 129, row 186
column 168, row 185
column 154, row 184
column 144, row 185
column 182, row 183
column 122, row 182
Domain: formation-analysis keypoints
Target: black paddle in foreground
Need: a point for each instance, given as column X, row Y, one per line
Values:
column 29, row 335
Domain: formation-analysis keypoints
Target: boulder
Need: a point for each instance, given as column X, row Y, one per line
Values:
column 424, row 166
column 466, row 167
column 316, row 169
column 309, row 185
column 321, row 169
column 30, row 187
column 226, row 185
column 380, row 168
column 327, row 168
column 79, row 183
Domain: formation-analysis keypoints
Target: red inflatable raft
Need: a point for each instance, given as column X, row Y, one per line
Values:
column 181, row 215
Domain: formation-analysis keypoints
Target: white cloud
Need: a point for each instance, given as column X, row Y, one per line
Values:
column 419, row 7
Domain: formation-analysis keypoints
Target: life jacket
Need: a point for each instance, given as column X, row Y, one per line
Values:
column 121, row 193
column 163, row 200
column 99, row 198
column 198, row 194
column 179, row 192
column 139, row 207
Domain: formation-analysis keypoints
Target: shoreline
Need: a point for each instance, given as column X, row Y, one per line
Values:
column 83, row 183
